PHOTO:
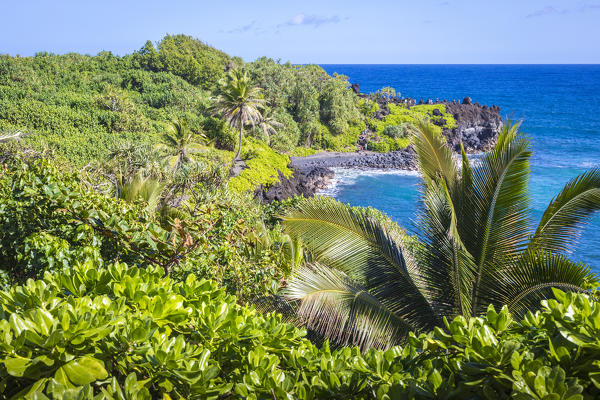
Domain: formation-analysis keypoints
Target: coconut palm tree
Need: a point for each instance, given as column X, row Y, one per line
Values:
column 474, row 246
column 181, row 141
column 239, row 103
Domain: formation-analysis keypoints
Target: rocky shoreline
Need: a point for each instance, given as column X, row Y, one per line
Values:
column 477, row 129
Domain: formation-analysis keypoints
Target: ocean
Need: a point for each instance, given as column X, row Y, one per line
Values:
column 558, row 104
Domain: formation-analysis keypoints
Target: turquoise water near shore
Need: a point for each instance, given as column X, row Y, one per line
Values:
column 559, row 106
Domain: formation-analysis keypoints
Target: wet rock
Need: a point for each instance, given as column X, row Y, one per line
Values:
column 467, row 100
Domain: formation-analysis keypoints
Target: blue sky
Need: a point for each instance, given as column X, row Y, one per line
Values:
column 398, row 31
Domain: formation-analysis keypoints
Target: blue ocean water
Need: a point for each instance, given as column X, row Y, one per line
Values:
column 559, row 106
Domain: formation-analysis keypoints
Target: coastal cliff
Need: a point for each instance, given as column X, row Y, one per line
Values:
column 477, row 127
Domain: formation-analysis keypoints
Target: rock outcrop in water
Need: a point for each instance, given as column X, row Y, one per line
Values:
column 304, row 182
column 477, row 128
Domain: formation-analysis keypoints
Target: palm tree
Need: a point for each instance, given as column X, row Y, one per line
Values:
column 142, row 188
column 370, row 285
column 268, row 124
column 239, row 103
column 181, row 141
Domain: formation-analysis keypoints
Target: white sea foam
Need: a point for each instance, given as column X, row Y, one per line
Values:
column 348, row 176
column 589, row 164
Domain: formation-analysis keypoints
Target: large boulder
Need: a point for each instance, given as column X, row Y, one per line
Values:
column 304, row 182
column 477, row 126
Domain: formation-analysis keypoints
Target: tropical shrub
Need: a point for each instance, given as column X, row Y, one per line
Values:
column 338, row 105
column 368, row 107
column 401, row 114
column 263, row 167
column 474, row 248
column 386, row 143
column 343, row 142
column 184, row 56
column 316, row 102
column 397, row 131
column 50, row 219
column 119, row 332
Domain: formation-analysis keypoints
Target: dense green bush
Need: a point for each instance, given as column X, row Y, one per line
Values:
column 318, row 103
column 344, row 142
column 400, row 114
column 397, row 131
column 184, row 56
column 386, row 143
column 119, row 332
column 81, row 106
column 368, row 107
column 50, row 219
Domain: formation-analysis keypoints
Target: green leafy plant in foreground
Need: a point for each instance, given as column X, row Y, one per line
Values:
column 474, row 248
column 119, row 332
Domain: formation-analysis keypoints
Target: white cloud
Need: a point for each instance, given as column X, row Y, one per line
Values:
column 310, row 20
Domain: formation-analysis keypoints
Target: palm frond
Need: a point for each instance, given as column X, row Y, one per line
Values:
column 342, row 310
column 568, row 213
column 447, row 267
column 531, row 278
column 434, row 155
column 170, row 140
column 145, row 189
column 346, row 239
column 500, row 220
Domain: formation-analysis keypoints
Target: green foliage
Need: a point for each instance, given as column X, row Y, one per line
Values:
column 263, row 167
column 119, row 332
column 368, row 107
column 398, row 131
column 338, row 105
column 303, row 151
column 386, row 92
column 320, row 105
column 184, row 56
column 343, row 142
column 49, row 220
column 387, row 143
column 287, row 134
column 82, row 106
column 400, row 114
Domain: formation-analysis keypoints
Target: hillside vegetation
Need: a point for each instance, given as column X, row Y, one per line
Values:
column 137, row 263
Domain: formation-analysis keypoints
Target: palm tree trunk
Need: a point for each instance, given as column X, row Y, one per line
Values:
column 239, row 150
